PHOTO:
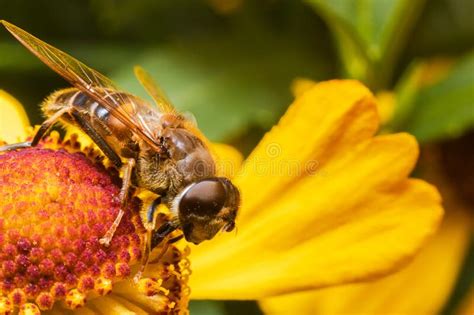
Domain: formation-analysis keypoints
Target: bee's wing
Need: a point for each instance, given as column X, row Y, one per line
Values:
column 163, row 103
column 89, row 81
column 154, row 90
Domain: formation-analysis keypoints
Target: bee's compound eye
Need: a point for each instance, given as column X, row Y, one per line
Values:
column 206, row 197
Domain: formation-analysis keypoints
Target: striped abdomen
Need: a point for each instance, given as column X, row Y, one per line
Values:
column 115, row 133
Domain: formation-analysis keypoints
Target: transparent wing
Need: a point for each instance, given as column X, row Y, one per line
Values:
column 154, row 90
column 163, row 103
column 89, row 81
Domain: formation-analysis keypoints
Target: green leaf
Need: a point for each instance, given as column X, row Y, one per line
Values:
column 229, row 84
column 445, row 109
column 369, row 33
column 406, row 91
column 445, row 28
column 207, row 308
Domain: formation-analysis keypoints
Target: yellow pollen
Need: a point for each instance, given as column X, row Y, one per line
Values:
column 5, row 305
column 29, row 309
column 75, row 299
column 150, row 287
column 103, row 286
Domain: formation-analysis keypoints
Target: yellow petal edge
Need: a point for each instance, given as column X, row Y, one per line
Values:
column 429, row 277
column 13, row 119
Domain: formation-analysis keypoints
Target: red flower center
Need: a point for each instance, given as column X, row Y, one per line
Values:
column 54, row 208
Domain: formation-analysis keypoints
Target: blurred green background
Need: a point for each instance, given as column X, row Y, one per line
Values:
column 231, row 63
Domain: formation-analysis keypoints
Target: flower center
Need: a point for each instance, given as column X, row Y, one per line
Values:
column 54, row 208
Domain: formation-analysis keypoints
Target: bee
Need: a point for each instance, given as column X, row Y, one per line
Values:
column 155, row 147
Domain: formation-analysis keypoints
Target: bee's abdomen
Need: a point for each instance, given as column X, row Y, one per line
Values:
column 57, row 101
column 85, row 112
column 77, row 99
column 83, row 102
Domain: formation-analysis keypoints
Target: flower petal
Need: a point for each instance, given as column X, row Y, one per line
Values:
column 386, row 104
column 396, row 294
column 301, row 85
column 228, row 159
column 353, row 217
column 13, row 119
column 115, row 306
column 326, row 121
column 382, row 235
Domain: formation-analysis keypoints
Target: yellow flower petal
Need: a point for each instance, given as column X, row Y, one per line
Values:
column 323, row 203
column 301, row 85
column 386, row 105
column 228, row 159
column 430, row 277
column 13, row 119
column 329, row 120
column 385, row 99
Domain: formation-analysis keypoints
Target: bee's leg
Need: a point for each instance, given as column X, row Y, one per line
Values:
column 15, row 146
column 151, row 209
column 145, row 257
column 47, row 124
column 148, row 236
column 43, row 129
column 175, row 239
column 147, row 248
column 163, row 231
column 98, row 140
column 127, row 169
column 153, row 239
column 170, row 241
column 126, row 183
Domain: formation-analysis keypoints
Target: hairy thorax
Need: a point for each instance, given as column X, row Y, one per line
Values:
column 185, row 159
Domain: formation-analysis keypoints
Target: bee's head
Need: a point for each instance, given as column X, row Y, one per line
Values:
column 205, row 207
